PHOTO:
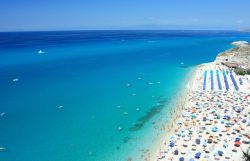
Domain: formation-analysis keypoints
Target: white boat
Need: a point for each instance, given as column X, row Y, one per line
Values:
column 2, row 148
column 15, row 79
column 2, row 114
column 128, row 85
column 119, row 128
column 60, row 107
column 40, row 52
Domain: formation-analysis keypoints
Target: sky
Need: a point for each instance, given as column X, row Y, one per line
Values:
column 30, row 15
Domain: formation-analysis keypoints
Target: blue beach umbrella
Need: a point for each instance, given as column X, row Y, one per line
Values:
column 205, row 144
column 176, row 152
column 181, row 159
column 191, row 159
column 215, row 129
column 220, row 153
column 172, row 137
column 198, row 141
column 225, row 145
column 198, row 155
column 193, row 116
column 237, row 139
column 171, row 144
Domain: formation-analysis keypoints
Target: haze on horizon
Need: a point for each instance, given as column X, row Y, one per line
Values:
column 30, row 15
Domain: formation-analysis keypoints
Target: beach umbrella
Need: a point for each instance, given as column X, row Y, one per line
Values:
column 237, row 144
column 198, row 141
column 225, row 145
column 181, row 159
column 215, row 129
column 198, row 155
column 237, row 139
column 244, row 120
column 171, row 144
column 191, row 159
column 220, row 153
column 172, row 137
column 176, row 152
column 204, row 144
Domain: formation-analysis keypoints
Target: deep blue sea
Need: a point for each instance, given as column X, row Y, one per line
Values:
column 94, row 95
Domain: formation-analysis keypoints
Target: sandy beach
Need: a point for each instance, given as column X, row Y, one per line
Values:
column 213, row 123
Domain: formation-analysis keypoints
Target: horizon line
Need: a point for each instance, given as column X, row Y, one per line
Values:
column 68, row 30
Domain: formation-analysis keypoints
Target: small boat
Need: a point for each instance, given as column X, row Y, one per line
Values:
column 15, row 79
column 2, row 114
column 60, row 107
column 40, row 52
column 129, row 85
column 119, row 128
column 2, row 148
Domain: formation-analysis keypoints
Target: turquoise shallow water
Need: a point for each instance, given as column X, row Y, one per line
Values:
column 70, row 101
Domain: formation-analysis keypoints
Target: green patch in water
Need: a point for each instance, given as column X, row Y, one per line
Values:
column 151, row 113
column 126, row 139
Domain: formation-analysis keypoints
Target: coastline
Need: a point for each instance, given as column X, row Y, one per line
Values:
column 185, row 106
column 178, row 104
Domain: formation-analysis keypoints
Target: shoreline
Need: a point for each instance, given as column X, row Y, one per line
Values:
column 178, row 107
column 185, row 106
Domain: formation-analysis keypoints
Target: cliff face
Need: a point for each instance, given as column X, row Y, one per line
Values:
column 239, row 55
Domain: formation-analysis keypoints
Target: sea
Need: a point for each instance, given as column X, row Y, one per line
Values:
column 95, row 95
